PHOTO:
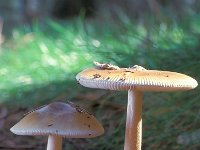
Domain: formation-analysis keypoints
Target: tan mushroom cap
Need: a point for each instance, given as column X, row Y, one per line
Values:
column 67, row 120
column 108, row 76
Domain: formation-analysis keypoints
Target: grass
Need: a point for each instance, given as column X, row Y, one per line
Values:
column 39, row 64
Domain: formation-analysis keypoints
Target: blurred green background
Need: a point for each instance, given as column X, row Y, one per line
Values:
column 44, row 44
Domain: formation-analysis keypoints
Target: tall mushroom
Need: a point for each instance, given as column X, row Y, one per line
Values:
column 135, row 80
column 59, row 120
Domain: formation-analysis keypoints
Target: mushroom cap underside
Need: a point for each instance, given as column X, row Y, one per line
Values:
column 136, row 79
column 60, row 119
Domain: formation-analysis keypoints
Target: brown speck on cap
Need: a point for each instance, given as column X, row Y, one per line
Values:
column 122, row 79
column 127, row 70
column 50, row 125
column 97, row 75
column 68, row 122
column 137, row 78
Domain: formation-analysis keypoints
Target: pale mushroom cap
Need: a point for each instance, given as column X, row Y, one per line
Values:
column 136, row 78
column 60, row 119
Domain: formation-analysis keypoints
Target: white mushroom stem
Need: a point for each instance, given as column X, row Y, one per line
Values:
column 54, row 142
column 133, row 135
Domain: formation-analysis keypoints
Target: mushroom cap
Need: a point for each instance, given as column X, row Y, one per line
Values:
column 61, row 119
column 136, row 78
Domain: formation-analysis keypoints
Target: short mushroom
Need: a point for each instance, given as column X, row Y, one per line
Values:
column 135, row 80
column 59, row 120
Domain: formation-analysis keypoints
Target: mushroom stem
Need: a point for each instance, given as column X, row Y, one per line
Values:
column 54, row 142
column 133, row 135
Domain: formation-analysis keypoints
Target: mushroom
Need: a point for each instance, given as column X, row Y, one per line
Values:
column 135, row 80
column 59, row 120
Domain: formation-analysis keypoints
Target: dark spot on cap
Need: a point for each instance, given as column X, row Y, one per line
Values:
column 89, row 126
column 90, row 134
column 129, row 71
column 49, row 125
column 97, row 75
column 107, row 78
column 122, row 79
column 88, row 117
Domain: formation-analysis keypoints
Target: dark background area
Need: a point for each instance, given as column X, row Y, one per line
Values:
column 20, row 12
